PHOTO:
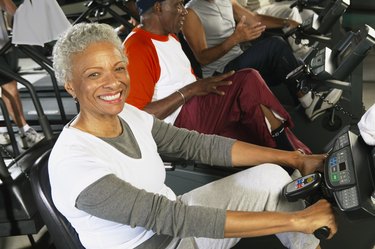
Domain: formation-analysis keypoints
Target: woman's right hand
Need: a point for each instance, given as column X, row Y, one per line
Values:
column 316, row 216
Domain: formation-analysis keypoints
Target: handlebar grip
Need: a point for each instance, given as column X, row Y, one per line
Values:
column 322, row 233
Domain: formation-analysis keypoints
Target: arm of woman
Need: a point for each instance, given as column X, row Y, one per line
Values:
column 245, row 154
column 217, row 150
column 113, row 199
column 250, row 224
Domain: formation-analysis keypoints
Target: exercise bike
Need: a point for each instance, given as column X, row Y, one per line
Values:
column 328, row 67
column 321, row 26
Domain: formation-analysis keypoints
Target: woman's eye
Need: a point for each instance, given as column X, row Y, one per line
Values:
column 93, row 75
column 120, row 69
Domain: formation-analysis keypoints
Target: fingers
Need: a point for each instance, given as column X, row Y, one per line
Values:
column 242, row 20
column 258, row 27
column 220, row 80
column 223, row 75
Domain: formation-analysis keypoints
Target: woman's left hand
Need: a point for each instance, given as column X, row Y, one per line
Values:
column 311, row 163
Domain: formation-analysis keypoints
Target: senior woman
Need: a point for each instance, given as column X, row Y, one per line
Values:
column 107, row 177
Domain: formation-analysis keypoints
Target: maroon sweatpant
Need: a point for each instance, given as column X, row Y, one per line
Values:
column 237, row 114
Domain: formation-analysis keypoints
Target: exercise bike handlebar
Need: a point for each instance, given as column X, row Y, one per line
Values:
column 308, row 188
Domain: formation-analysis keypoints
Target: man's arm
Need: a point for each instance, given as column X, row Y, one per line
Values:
column 144, row 72
column 164, row 107
column 195, row 36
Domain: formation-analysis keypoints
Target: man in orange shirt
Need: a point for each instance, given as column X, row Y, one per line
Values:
column 238, row 105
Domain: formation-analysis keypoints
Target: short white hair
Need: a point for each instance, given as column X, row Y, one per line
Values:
column 76, row 39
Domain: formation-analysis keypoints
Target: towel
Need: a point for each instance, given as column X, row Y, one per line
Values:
column 367, row 126
column 38, row 21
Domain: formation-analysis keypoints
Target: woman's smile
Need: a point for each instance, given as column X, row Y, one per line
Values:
column 112, row 98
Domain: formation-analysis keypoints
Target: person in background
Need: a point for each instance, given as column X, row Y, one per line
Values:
column 236, row 104
column 9, row 90
column 215, row 31
column 282, row 9
column 116, row 196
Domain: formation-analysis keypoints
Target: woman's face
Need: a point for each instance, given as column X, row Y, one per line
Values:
column 99, row 80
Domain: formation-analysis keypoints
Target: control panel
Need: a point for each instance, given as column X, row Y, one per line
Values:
column 302, row 187
column 348, row 174
column 340, row 173
column 348, row 179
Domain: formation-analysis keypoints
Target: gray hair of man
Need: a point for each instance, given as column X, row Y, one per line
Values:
column 75, row 40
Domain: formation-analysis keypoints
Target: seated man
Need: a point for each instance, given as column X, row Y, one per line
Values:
column 281, row 9
column 237, row 105
column 116, row 196
column 215, row 31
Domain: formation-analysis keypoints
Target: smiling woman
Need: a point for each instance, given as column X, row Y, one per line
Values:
column 117, row 195
column 99, row 82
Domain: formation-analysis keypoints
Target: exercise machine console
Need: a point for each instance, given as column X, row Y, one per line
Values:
column 348, row 180
column 323, row 22
column 337, row 63
column 317, row 27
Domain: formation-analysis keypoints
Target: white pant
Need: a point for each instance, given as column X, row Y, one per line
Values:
column 282, row 10
column 255, row 189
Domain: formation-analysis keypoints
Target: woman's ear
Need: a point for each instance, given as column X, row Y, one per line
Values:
column 69, row 88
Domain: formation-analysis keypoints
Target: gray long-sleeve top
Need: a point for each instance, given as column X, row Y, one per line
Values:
column 165, row 217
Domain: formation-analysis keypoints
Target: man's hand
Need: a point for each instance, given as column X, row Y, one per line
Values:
column 210, row 85
column 245, row 32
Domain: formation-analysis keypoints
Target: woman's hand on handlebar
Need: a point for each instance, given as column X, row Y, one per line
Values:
column 311, row 163
column 317, row 216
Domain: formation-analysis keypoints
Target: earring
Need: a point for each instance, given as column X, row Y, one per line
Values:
column 75, row 99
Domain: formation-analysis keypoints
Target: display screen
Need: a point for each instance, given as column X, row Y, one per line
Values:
column 342, row 166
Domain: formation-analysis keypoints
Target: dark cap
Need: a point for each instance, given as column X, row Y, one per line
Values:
column 144, row 5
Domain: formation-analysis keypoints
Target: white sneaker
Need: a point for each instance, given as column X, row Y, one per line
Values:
column 322, row 101
column 4, row 138
column 30, row 138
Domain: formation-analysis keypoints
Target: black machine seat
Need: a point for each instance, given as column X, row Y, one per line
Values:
column 18, row 212
column 63, row 234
